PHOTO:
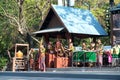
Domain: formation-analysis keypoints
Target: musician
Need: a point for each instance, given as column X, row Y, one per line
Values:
column 31, row 59
column 71, row 47
column 59, row 48
column 71, row 50
column 50, row 48
column 92, row 46
column 84, row 46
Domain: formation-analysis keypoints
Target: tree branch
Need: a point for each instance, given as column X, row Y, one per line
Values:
column 12, row 23
column 35, row 39
column 20, row 29
column 7, row 15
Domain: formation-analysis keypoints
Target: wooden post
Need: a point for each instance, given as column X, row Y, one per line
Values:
column 111, row 28
column 46, row 37
column 13, row 65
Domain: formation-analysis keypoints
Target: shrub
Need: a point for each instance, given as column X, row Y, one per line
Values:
column 3, row 62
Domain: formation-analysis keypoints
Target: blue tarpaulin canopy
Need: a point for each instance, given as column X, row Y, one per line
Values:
column 74, row 20
column 79, row 21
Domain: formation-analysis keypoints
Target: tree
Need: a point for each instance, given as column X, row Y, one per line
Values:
column 22, row 15
column 19, row 18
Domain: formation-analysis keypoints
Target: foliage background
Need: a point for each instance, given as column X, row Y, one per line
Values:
column 30, row 17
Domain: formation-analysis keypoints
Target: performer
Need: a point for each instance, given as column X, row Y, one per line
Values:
column 92, row 46
column 84, row 46
column 59, row 48
column 71, row 47
column 42, row 57
column 115, row 52
column 50, row 48
column 99, row 48
column 70, row 50
column 31, row 59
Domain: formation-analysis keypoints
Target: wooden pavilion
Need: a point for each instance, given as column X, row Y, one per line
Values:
column 69, row 22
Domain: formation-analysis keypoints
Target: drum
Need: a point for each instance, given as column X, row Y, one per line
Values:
column 90, row 57
column 78, row 57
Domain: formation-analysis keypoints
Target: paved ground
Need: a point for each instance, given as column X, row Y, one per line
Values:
column 74, row 73
column 85, row 69
column 43, row 78
column 64, row 75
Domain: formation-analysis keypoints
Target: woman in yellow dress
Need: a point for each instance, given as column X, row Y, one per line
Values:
column 42, row 57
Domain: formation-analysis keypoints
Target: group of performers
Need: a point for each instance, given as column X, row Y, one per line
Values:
column 112, row 55
column 60, row 51
column 95, row 47
column 57, row 49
